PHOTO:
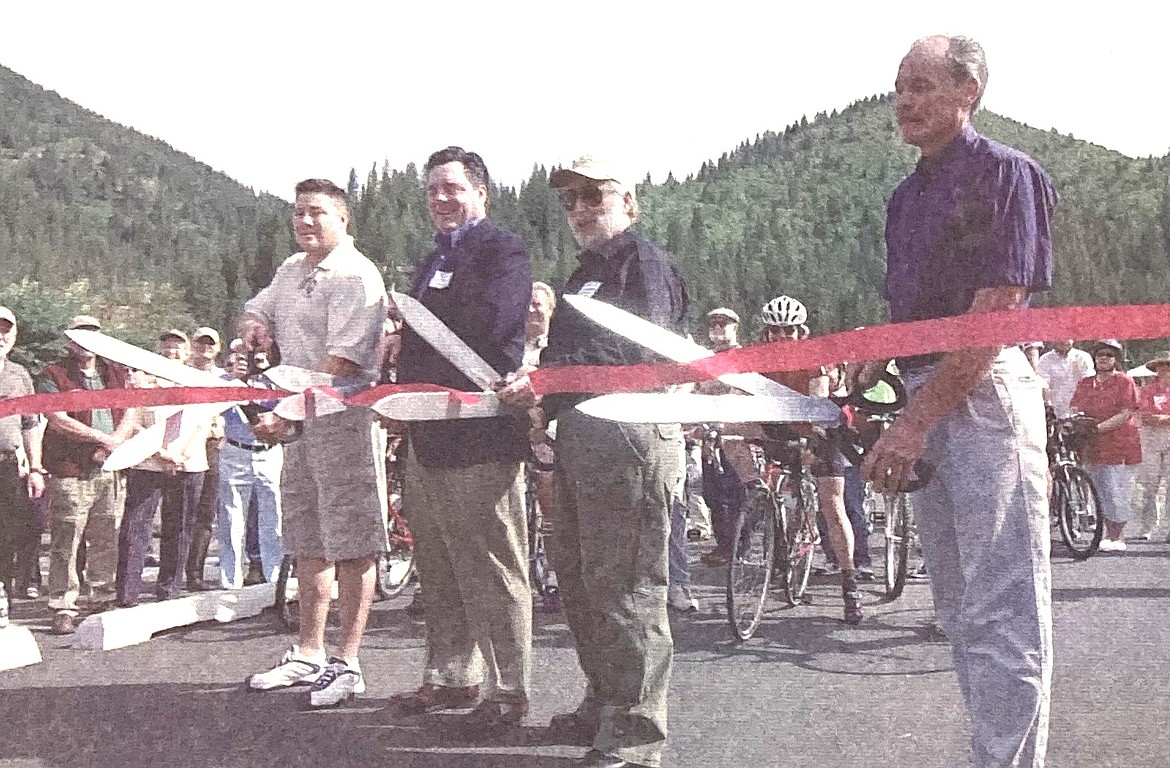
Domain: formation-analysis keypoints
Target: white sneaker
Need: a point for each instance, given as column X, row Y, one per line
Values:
column 337, row 684
column 293, row 669
column 1110, row 545
column 679, row 598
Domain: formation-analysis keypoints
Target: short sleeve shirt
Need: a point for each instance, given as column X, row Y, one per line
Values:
column 14, row 382
column 1102, row 400
column 335, row 308
column 977, row 215
column 1063, row 373
column 101, row 419
column 1155, row 398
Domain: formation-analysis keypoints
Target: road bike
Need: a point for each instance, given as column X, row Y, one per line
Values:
column 1074, row 504
column 775, row 535
column 776, row 532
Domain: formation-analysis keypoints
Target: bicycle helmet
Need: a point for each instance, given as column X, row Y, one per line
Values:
column 784, row 311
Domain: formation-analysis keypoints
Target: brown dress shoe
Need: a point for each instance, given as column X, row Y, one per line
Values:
column 432, row 698
column 64, row 624
column 493, row 716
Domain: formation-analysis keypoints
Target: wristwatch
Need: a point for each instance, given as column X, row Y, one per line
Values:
column 38, row 471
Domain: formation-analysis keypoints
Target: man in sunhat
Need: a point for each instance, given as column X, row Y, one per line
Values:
column 1154, row 427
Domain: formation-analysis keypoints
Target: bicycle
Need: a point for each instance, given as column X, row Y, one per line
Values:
column 1074, row 504
column 539, row 571
column 780, row 513
column 895, row 513
column 779, row 516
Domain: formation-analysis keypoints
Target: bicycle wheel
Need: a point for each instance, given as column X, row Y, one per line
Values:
column 749, row 573
column 285, row 611
column 899, row 534
column 1077, row 508
column 539, row 571
column 396, row 564
column 801, row 537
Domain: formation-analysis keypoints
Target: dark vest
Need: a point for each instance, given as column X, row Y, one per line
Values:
column 64, row 455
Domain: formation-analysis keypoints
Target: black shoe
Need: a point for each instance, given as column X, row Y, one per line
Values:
column 195, row 583
column 417, row 608
column 254, row 576
column 595, row 759
column 571, row 728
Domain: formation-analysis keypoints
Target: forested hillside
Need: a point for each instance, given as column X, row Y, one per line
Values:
column 95, row 216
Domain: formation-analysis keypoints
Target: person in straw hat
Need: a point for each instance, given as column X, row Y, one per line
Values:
column 1154, row 427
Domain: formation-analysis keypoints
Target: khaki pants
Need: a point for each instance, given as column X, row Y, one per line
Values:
column 89, row 509
column 984, row 525
column 1153, row 476
column 471, row 549
column 609, row 549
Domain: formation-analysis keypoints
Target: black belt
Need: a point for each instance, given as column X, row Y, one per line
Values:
column 253, row 447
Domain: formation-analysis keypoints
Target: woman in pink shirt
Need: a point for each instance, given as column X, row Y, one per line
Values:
column 1114, row 451
column 1154, row 415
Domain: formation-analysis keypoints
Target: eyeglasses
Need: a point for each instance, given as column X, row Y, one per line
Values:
column 592, row 197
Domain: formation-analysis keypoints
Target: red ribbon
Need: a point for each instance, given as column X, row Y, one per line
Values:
column 1149, row 321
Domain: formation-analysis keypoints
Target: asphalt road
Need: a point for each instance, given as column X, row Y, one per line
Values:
column 806, row 691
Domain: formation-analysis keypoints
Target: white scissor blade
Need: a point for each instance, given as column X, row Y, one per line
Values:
column 681, row 407
column 432, row 330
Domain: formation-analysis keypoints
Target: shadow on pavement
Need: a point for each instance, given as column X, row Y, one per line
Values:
column 196, row 726
column 1065, row 594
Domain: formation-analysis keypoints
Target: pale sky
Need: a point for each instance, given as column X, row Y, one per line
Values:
column 270, row 93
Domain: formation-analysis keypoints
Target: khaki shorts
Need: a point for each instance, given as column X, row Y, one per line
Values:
column 333, row 488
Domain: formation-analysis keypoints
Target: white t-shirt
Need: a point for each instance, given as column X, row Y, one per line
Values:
column 1062, row 374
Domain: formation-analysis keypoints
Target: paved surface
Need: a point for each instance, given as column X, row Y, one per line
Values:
column 806, row 691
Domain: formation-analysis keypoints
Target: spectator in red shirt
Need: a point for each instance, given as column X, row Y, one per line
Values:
column 1112, row 454
column 1154, row 415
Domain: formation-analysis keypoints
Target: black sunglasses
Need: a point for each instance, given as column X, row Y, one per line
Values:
column 591, row 196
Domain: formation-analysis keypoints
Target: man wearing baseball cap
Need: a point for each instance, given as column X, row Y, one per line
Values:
column 87, row 501
column 614, row 479
column 205, row 348
column 21, row 475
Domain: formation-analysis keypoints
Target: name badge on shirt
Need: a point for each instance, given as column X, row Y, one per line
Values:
column 440, row 280
column 589, row 288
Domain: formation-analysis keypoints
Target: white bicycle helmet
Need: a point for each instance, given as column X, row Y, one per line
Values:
column 784, row 311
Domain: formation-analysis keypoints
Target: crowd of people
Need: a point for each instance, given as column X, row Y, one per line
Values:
column 206, row 476
column 967, row 232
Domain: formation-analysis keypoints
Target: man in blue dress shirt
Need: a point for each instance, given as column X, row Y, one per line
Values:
column 969, row 232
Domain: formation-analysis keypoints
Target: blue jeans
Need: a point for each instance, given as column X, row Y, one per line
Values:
column 247, row 476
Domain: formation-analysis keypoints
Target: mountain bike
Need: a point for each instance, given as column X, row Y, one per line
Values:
column 1073, row 503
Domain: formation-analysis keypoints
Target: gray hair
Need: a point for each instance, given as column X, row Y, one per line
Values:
column 967, row 59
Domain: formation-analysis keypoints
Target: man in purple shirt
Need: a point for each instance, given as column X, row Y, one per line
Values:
column 968, row 232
